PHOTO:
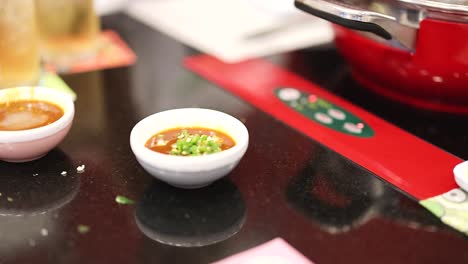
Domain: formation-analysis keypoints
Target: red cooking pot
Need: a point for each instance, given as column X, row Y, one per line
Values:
column 413, row 51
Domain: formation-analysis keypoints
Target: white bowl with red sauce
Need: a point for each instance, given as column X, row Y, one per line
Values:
column 29, row 134
column 189, row 172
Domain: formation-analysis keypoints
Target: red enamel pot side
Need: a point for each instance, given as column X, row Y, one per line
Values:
column 433, row 77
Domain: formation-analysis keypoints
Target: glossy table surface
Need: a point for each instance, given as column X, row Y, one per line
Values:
column 286, row 186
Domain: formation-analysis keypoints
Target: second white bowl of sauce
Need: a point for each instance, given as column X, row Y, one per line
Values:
column 33, row 120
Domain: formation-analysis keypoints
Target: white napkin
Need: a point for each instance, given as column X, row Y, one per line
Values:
column 222, row 27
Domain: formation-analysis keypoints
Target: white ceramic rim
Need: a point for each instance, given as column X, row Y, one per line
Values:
column 184, row 163
column 458, row 169
column 59, row 98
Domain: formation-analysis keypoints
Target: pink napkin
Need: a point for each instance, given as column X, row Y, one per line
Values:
column 276, row 251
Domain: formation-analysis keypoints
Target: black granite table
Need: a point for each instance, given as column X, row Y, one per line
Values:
column 286, row 186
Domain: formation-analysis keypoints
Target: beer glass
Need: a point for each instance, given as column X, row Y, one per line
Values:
column 68, row 29
column 19, row 46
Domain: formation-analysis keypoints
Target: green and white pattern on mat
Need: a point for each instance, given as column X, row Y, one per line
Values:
column 451, row 207
column 324, row 113
column 53, row 81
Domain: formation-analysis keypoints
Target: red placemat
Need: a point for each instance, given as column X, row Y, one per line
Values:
column 417, row 167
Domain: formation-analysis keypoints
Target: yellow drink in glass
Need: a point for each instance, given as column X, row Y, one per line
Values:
column 19, row 46
column 68, row 29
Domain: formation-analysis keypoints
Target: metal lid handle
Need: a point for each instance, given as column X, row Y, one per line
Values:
column 398, row 25
column 346, row 16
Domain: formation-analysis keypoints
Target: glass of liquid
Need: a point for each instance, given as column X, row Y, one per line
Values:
column 19, row 44
column 68, row 30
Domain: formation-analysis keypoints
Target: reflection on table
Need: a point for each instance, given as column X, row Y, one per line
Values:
column 31, row 194
column 191, row 218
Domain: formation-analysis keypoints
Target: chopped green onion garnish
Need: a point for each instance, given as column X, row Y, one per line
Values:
column 195, row 144
column 83, row 229
column 123, row 200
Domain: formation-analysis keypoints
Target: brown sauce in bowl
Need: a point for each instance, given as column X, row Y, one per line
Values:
column 190, row 141
column 28, row 114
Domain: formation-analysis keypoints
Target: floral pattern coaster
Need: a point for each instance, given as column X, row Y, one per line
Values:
column 451, row 207
column 113, row 52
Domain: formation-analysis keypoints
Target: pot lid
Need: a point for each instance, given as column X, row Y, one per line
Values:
column 446, row 6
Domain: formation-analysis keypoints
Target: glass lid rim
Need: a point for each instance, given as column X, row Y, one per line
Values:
column 437, row 5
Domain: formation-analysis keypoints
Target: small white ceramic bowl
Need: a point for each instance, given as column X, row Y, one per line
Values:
column 32, row 144
column 189, row 172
